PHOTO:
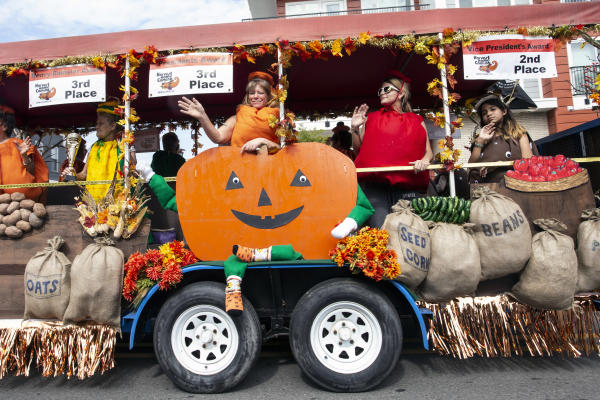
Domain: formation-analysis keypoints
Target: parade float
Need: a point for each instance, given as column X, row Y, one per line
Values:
column 466, row 276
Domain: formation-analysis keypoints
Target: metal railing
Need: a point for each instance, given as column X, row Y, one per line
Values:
column 349, row 12
column 582, row 78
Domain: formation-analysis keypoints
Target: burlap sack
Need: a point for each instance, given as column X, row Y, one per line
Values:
column 550, row 277
column 96, row 285
column 455, row 269
column 588, row 251
column 501, row 232
column 409, row 237
column 47, row 282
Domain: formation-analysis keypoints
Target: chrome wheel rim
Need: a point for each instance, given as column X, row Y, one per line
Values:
column 346, row 337
column 204, row 339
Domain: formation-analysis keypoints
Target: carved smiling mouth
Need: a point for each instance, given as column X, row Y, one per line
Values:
column 268, row 222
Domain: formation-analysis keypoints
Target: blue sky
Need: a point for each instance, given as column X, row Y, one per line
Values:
column 42, row 19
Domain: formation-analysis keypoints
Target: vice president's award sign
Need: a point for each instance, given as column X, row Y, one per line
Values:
column 192, row 73
column 509, row 57
column 80, row 83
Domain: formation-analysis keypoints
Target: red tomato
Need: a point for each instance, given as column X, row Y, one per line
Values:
column 539, row 179
column 526, row 177
column 520, row 165
column 571, row 164
column 533, row 170
column 559, row 158
column 512, row 173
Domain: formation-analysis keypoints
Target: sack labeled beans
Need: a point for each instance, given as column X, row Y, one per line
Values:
column 96, row 285
column 47, row 282
column 409, row 237
column 588, row 251
column 455, row 269
column 501, row 232
column 549, row 279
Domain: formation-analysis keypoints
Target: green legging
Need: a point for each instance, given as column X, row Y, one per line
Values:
column 235, row 266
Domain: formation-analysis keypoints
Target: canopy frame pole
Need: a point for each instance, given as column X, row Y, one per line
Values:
column 446, row 112
column 127, row 113
column 280, row 86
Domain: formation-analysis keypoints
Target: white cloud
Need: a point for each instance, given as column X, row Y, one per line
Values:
column 40, row 19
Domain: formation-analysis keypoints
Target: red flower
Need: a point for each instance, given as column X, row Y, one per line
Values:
column 90, row 221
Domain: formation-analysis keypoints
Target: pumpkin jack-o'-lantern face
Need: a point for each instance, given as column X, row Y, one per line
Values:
column 267, row 221
column 295, row 196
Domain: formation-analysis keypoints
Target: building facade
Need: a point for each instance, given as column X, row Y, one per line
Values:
column 562, row 102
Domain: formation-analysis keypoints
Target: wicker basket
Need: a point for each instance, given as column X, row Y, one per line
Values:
column 551, row 186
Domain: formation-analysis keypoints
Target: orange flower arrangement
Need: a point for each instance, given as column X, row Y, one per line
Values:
column 162, row 266
column 367, row 252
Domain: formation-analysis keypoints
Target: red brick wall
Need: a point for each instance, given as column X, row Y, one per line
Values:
column 560, row 87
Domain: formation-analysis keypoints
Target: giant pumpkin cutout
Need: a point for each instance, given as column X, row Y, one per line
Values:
column 295, row 196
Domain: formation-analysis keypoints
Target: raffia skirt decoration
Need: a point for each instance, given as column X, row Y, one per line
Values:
column 498, row 326
column 54, row 349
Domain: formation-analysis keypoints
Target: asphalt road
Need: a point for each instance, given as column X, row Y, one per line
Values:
column 419, row 375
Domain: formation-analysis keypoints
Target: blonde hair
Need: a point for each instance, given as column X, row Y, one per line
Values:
column 405, row 87
column 264, row 85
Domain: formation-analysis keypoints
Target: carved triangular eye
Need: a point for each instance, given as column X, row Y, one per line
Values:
column 233, row 182
column 300, row 180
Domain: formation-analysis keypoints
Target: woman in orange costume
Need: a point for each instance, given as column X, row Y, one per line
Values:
column 20, row 162
column 249, row 127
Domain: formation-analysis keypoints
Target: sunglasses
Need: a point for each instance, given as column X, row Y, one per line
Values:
column 386, row 90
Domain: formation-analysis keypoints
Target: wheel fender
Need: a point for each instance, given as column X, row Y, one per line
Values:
column 137, row 313
column 417, row 311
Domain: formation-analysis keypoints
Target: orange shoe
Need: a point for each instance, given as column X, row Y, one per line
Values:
column 245, row 254
column 233, row 296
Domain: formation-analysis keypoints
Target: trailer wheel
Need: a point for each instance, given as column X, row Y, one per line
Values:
column 199, row 346
column 345, row 335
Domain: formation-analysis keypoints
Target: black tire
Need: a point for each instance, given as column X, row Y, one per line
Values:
column 309, row 320
column 200, row 306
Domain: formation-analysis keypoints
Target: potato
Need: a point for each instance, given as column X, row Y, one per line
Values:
column 4, row 198
column 39, row 210
column 13, row 232
column 2, row 229
column 24, row 214
column 12, row 219
column 24, row 226
column 35, row 221
column 17, row 196
column 3, row 208
column 27, row 203
column 12, row 207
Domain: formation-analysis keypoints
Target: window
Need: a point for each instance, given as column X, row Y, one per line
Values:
column 374, row 6
column 53, row 164
column 328, row 7
column 484, row 3
column 531, row 87
column 584, row 65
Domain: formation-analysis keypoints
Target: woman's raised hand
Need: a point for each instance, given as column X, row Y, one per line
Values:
column 359, row 116
column 24, row 146
column 193, row 108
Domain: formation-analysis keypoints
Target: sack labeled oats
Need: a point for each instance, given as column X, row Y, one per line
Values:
column 96, row 285
column 47, row 282
column 588, row 251
column 501, row 232
column 549, row 279
column 409, row 237
column 455, row 269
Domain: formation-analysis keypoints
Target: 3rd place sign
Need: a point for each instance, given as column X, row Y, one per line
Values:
column 80, row 83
